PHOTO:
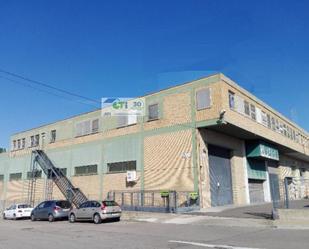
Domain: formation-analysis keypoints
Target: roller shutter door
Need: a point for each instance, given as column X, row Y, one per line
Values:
column 256, row 191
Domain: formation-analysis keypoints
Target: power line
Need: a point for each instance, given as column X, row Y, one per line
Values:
column 45, row 91
column 40, row 83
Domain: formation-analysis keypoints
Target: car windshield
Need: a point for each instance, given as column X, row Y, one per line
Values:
column 110, row 203
column 63, row 204
column 24, row 206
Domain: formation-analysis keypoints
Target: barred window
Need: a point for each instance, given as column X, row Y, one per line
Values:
column 153, row 112
column 203, row 99
column 119, row 167
column 86, row 170
column 15, row 176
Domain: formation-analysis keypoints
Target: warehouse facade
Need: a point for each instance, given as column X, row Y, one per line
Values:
column 208, row 136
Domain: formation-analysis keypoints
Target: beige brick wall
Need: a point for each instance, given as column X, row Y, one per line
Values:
column 237, row 165
column 214, row 110
column 165, row 168
column 176, row 110
column 89, row 185
column 252, row 126
column 118, row 181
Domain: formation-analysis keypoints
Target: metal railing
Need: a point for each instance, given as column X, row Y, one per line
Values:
column 156, row 201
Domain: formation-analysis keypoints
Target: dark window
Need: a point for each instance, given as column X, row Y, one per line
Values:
column 14, row 144
column 232, row 100
column 273, row 123
column 15, row 176
column 121, row 166
column 18, row 144
column 95, row 125
column 86, row 170
column 36, row 174
column 153, row 112
column 1, row 178
column 53, row 135
column 247, row 108
column 63, row 171
column 203, row 99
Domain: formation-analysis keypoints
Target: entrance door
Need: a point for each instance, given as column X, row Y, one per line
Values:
column 274, row 187
column 256, row 191
column 220, row 176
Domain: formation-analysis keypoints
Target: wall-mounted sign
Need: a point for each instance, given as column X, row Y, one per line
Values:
column 261, row 149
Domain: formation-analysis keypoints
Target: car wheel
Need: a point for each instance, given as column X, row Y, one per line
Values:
column 72, row 218
column 97, row 219
column 51, row 218
column 32, row 217
column 14, row 216
column 4, row 216
column 117, row 219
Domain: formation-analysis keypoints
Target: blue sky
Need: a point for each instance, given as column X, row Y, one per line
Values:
column 129, row 48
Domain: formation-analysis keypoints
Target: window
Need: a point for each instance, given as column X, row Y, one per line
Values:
column 1, row 178
column 15, row 176
column 203, row 99
column 37, row 140
column 247, row 108
column 264, row 118
column 53, row 135
column 268, row 121
column 95, row 125
column 273, row 123
column 153, row 112
column 86, row 170
column 121, row 166
column 253, row 112
column 18, row 144
column 32, row 141
column 232, row 100
column 36, row 174
column 86, row 127
column 122, row 120
column 23, row 143
column 14, row 144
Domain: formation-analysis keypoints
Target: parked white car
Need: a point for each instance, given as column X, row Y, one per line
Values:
column 17, row 211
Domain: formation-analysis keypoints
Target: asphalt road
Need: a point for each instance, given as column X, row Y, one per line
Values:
column 127, row 234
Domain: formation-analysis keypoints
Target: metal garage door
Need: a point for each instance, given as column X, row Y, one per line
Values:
column 220, row 176
column 256, row 191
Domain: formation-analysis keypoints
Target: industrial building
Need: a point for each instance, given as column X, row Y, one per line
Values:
column 209, row 136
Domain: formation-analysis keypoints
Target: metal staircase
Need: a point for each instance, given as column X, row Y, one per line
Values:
column 74, row 195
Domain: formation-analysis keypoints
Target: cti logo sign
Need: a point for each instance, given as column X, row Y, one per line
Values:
column 123, row 106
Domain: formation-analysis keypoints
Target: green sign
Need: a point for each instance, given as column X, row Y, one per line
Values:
column 261, row 149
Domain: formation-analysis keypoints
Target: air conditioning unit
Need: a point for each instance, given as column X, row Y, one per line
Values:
column 131, row 176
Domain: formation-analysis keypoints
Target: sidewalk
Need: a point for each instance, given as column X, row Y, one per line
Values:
column 189, row 219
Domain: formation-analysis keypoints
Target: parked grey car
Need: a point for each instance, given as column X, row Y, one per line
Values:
column 96, row 211
column 51, row 210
